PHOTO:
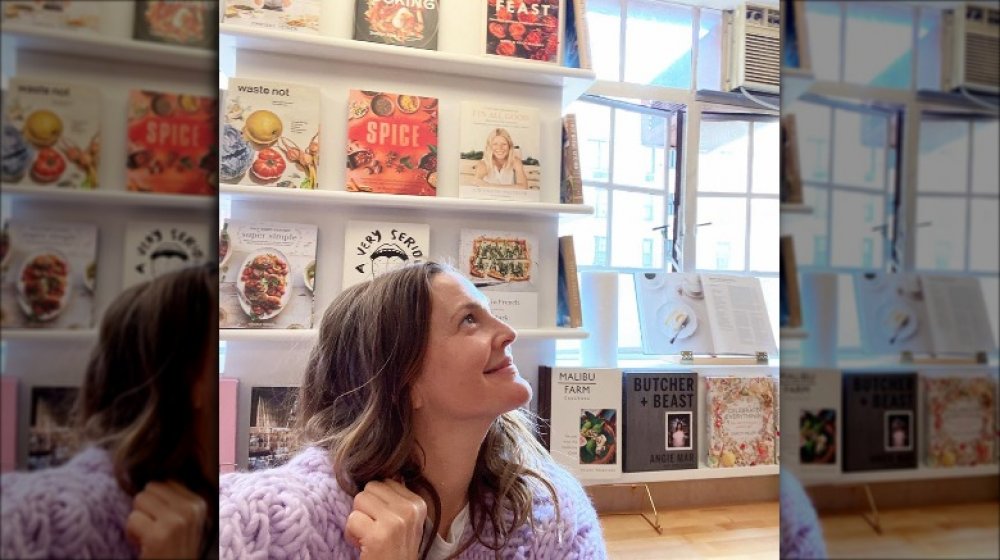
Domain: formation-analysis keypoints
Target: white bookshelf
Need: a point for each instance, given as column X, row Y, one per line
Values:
column 793, row 333
column 701, row 473
column 922, row 472
column 50, row 335
column 106, row 197
column 309, row 335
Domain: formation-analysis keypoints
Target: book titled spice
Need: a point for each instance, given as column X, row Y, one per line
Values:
column 409, row 23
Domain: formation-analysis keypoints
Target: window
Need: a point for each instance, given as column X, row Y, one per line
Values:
column 647, row 253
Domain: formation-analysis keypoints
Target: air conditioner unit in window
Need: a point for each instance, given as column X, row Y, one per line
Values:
column 970, row 45
column 751, row 55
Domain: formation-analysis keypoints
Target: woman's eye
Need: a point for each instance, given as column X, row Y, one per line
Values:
column 470, row 319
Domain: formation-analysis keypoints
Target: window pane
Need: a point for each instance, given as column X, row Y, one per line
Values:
column 859, row 152
column 721, row 245
column 823, row 22
column 941, row 243
column 628, row 314
column 856, row 242
column 658, row 44
column 929, row 50
column 944, row 153
column 985, row 163
column 812, row 122
column 604, row 25
column 848, row 328
column 722, row 156
column 639, row 149
column 585, row 229
column 593, row 133
column 764, row 230
column 878, row 45
column 985, row 225
column 808, row 231
column 631, row 228
column 991, row 292
column 772, row 295
column 766, row 159
column 710, row 50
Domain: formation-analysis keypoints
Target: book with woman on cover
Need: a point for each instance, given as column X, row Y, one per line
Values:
column 500, row 150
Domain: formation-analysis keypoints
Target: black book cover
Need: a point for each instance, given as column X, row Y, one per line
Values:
column 409, row 23
column 880, row 421
column 660, row 421
column 188, row 23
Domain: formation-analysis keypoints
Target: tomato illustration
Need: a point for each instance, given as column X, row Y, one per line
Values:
column 49, row 165
column 506, row 48
column 497, row 30
column 269, row 165
column 517, row 31
column 503, row 14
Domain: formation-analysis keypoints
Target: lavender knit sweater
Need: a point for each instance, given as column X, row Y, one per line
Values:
column 298, row 511
column 77, row 510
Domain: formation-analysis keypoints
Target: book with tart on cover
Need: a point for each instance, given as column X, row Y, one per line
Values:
column 740, row 421
column 409, row 23
column 661, row 420
column 272, row 416
column 372, row 249
column 187, row 23
column 503, row 264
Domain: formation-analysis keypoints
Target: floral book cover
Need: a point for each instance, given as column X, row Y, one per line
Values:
column 51, row 134
column 962, row 420
column 156, row 248
column 880, row 420
column 172, row 143
column 272, row 416
column 741, row 424
column 500, row 153
column 410, row 23
column 270, row 134
column 49, row 275
column 282, row 15
column 266, row 275
column 188, row 23
column 372, row 249
column 528, row 29
column 661, row 421
column 63, row 14
column 51, row 439
column 392, row 143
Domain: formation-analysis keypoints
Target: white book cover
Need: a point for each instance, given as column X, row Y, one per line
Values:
column 810, row 420
column 49, row 275
column 957, row 313
column 503, row 265
column 740, row 421
column 156, row 248
column 372, row 249
column 500, row 151
column 270, row 134
column 51, row 134
column 738, row 312
column 264, row 280
column 673, row 313
column 585, row 421
column 892, row 313
column 281, row 15
column 64, row 14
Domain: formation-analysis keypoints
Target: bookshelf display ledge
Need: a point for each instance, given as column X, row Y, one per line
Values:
column 793, row 332
column 573, row 81
column 108, row 197
column 897, row 475
column 308, row 335
column 795, row 208
column 436, row 203
column 54, row 335
column 116, row 49
column 702, row 473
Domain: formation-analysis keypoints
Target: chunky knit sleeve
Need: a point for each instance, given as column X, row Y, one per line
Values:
column 294, row 511
column 582, row 535
column 801, row 534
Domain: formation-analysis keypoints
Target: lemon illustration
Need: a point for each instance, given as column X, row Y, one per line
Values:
column 263, row 127
column 728, row 459
column 43, row 128
column 948, row 459
column 188, row 102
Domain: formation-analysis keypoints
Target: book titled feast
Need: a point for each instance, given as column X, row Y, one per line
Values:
column 409, row 23
column 661, row 421
column 528, row 29
column 372, row 249
column 503, row 265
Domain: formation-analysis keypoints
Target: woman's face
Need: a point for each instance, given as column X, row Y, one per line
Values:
column 500, row 147
column 468, row 371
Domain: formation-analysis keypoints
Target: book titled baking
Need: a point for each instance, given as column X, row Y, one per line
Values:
column 408, row 23
column 301, row 16
column 811, row 420
column 51, row 134
column 741, row 424
column 503, row 265
column 500, row 151
column 880, row 420
column 961, row 417
column 660, row 429
column 392, row 143
column 187, row 23
column 266, row 277
column 528, row 29
column 153, row 249
column 270, row 134
column 583, row 410
column 372, row 249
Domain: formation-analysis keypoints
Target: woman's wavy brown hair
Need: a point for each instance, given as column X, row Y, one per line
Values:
column 355, row 401
column 136, row 400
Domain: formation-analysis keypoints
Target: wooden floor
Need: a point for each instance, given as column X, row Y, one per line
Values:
column 956, row 531
column 747, row 531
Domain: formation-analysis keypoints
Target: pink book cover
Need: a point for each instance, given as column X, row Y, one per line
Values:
column 227, row 424
column 8, row 423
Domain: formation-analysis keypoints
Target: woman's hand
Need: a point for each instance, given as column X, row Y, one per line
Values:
column 167, row 521
column 387, row 522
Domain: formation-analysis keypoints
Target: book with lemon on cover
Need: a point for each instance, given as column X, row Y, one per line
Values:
column 270, row 134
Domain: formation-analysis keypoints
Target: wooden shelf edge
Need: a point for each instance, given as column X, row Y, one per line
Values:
column 921, row 473
column 701, row 473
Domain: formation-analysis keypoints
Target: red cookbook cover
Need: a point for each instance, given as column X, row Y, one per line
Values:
column 172, row 143
column 392, row 143
column 523, row 29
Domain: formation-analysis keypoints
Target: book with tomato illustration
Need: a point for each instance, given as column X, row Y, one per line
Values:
column 661, row 421
column 740, row 419
column 500, row 149
column 189, row 23
column 372, row 249
column 51, row 134
column 83, row 15
column 961, row 418
column 528, row 29
column 49, row 275
column 811, row 420
column 8, row 422
column 581, row 412
column 392, row 143
column 413, row 23
column 51, row 439
column 284, row 15
column 504, row 265
column 156, row 248
column 270, row 134
column 266, row 276
column 880, row 420
column 172, row 143
column 272, row 416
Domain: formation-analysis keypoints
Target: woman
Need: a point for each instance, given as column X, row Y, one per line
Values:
column 145, row 416
column 415, row 442
column 501, row 164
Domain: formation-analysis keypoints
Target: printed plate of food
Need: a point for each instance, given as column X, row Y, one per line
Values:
column 225, row 248
column 897, row 321
column 309, row 276
column 43, row 286
column 677, row 321
column 264, row 285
